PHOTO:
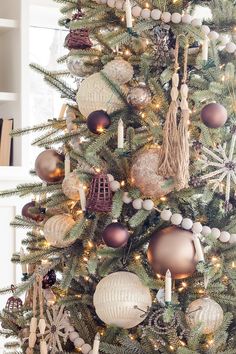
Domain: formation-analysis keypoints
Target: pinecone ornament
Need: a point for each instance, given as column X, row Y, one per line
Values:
column 163, row 40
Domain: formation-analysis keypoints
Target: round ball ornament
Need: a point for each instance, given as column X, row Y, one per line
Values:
column 71, row 186
column 145, row 174
column 118, row 298
column 56, row 228
column 49, row 166
column 115, row 235
column 78, row 67
column 95, row 94
column 214, row 115
column 119, row 70
column 205, row 312
column 139, row 96
column 98, row 121
column 49, row 279
column 33, row 212
column 172, row 248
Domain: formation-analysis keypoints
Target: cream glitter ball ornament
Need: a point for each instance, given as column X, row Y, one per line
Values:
column 56, row 228
column 118, row 297
column 119, row 70
column 95, row 94
column 205, row 312
column 145, row 174
column 71, row 186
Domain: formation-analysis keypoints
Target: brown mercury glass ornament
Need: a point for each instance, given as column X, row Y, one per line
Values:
column 214, row 115
column 49, row 166
column 172, row 248
column 98, row 121
column 115, row 235
column 33, row 212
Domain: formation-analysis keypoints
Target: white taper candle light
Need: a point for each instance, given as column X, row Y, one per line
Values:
column 82, row 197
column 23, row 265
column 205, row 45
column 120, row 134
column 67, row 164
column 96, row 344
column 168, row 286
column 129, row 23
column 198, row 248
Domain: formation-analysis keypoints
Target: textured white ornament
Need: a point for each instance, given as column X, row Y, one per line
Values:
column 148, row 204
column 205, row 29
column 85, row 349
column 232, row 238
column 215, row 232
column 115, row 186
column 176, row 219
column 176, row 17
column 230, row 47
column 196, row 22
column 118, row 297
column 206, row 230
column 111, row 3
column 137, row 203
column 136, row 11
column 145, row 14
column 187, row 224
column 156, row 14
column 95, row 94
column 166, row 215
column 119, row 4
column 78, row 343
column 119, row 70
column 213, row 35
column 73, row 336
column 197, row 227
column 205, row 312
column 56, row 228
column 126, row 199
column 224, row 236
column 166, row 17
column 71, row 186
column 186, row 19
column 110, row 178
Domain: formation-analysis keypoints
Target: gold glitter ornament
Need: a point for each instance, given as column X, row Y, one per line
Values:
column 119, row 70
column 71, row 186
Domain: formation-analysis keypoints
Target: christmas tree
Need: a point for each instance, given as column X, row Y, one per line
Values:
column 131, row 238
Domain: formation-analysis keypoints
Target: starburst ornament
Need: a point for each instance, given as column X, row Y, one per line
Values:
column 56, row 328
column 222, row 162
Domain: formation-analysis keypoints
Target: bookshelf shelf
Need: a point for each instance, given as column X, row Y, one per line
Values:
column 7, row 24
column 8, row 96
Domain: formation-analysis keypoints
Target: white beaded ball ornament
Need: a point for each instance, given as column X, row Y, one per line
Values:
column 56, row 228
column 71, row 186
column 95, row 94
column 119, row 70
column 118, row 297
column 205, row 312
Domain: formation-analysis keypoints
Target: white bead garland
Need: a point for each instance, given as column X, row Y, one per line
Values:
column 232, row 238
column 126, row 199
column 156, row 14
column 197, row 228
column 145, row 14
column 166, row 215
column 148, row 204
column 176, row 17
column 224, row 236
column 136, row 11
column 187, row 19
column 206, row 230
column 187, row 224
column 176, row 219
column 166, row 17
column 215, row 232
column 115, row 186
column 137, row 204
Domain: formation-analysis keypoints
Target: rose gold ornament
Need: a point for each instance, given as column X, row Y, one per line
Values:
column 139, row 96
column 115, row 235
column 49, row 166
column 145, row 174
column 172, row 248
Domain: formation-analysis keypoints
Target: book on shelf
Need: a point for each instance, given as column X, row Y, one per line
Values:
column 6, row 142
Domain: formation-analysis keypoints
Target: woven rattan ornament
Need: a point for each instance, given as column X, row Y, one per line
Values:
column 146, row 176
column 119, row 70
column 56, row 228
column 122, row 300
column 71, row 186
column 100, row 194
column 14, row 303
column 95, row 94
column 174, row 160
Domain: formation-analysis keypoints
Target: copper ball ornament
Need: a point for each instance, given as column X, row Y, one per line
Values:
column 139, row 97
column 49, row 279
column 33, row 212
column 115, row 235
column 98, row 121
column 214, row 115
column 49, row 166
column 172, row 248
column 145, row 174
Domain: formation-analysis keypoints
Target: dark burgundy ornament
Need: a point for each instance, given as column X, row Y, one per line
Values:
column 78, row 38
column 49, row 166
column 32, row 211
column 115, row 235
column 100, row 194
column 14, row 303
column 214, row 115
column 98, row 121
column 49, row 279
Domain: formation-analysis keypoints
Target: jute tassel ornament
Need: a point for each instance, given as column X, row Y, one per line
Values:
column 167, row 166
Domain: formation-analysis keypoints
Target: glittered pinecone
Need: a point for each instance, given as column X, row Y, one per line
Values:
column 196, row 182
column 163, row 40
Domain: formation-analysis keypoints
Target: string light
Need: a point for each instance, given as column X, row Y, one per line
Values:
column 147, row 5
column 90, row 244
column 171, row 348
column 122, row 183
column 85, row 259
column 233, row 265
column 163, row 199
column 137, row 257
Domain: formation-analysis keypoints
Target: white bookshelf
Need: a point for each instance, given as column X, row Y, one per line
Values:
column 7, row 24
column 8, row 97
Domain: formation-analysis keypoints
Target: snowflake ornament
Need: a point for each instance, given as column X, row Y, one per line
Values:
column 56, row 328
column 223, row 165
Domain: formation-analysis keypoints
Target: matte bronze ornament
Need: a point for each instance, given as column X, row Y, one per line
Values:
column 33, row 212
column 49, row 166
column 98, row 121
column 115, row 235
column 214, row 115
column 172, row 248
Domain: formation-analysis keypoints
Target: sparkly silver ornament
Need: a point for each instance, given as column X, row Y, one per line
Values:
column 139, row 96
column 78, row 67
column 119, row 70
